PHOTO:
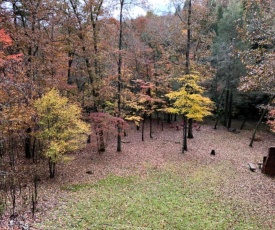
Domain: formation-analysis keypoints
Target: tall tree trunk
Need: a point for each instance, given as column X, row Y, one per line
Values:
column 162, row 122
column 225, row 118
column 89, row 68
column 168, row 120
column 34, row 194
column 218, row 108
column 184, row 128
column 95, row 13
column 230, row 110
column 256, row 127
column 74, row 5
column 52, row 168
column 34, row 149
column 142, row 127
column 70, row 63
column 28, row 152
column 188, row 45
column 158, row 118
column 149, row 93
column 11, row 150
column 175, row 117
column 260, row 121
column 151, row 126
column 190, row 128
column 187, row 65
column 101, row 141
column 119, row 76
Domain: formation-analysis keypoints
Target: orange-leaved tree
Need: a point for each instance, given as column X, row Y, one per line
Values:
column 15, row 107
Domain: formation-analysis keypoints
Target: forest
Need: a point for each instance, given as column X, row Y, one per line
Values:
column 91, row 99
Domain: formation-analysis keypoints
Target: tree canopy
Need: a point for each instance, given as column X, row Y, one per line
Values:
column 72, row 69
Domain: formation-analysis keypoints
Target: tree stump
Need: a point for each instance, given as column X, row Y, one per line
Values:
column 269, row 163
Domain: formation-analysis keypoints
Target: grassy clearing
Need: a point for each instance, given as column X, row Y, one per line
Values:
column 162, row 200
column 109, row 181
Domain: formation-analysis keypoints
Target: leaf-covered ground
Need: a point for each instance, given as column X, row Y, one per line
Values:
column 152, row 185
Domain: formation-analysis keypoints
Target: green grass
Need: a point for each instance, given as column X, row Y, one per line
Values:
column 162, row 200
column 109, row 181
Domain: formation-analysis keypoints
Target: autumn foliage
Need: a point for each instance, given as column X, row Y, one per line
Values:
column 189, row 100
column 60, row 127
column 15, row 105
column 71, row 72
column 271, row 120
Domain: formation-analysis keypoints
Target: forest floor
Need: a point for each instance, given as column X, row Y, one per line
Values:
column 252, row 192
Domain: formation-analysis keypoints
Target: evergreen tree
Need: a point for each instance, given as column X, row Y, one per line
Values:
column 225, row 59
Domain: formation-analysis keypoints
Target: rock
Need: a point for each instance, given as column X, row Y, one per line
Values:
column 11, row 223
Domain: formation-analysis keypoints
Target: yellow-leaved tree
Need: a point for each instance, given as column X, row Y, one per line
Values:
column 189, row 101
column 60, row 127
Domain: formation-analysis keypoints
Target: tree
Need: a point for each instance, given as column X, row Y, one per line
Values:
column 15, row 107
column 225, row 59
column 187, row 71
column 60, row 127
column 35, row 29
column 121, row 24
column 189, row 102
column 197, row 22
column 119, row 75
column 145, row 104
column 104, row 124
column 259, row 59
column 258, row 31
